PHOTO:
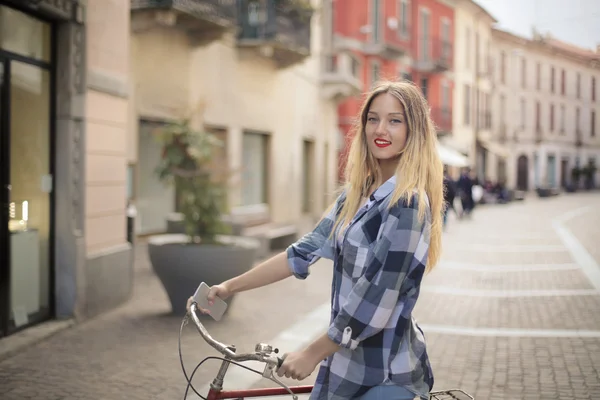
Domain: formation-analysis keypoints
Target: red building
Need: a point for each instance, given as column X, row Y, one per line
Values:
column 410, row 39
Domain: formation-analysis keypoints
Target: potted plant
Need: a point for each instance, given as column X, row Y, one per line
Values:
column 204, row 253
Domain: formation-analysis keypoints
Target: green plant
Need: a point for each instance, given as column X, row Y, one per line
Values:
column 187, row 163
column 302, row 7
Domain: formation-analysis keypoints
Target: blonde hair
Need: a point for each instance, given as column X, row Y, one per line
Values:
column 419, row 166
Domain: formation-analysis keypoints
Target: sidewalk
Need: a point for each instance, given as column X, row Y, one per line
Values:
column 512, row 312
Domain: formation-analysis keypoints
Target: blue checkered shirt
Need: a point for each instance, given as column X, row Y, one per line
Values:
column 377, row 275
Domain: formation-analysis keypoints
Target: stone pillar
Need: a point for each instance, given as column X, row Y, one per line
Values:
column 69, row 185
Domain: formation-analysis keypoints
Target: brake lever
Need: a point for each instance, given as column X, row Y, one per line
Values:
column 283, row 385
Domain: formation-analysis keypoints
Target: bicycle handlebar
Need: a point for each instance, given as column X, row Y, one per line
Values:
column 227, row 350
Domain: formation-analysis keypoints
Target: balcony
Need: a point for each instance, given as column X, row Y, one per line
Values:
column 340, row 76
column 277, row 29
column 384, row 48
column 203, row 20
column 434, row 56
column 442, row 118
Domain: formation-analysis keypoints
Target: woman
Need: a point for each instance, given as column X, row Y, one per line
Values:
column 383, row 233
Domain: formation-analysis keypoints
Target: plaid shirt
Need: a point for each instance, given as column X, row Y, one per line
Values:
column 376, row 281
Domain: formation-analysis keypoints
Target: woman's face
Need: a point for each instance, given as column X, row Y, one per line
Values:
column 386, row 129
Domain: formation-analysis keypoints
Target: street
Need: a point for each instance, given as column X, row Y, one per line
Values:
column 512, row 312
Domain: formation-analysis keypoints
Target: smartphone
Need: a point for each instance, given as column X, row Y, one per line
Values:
column 201, row 298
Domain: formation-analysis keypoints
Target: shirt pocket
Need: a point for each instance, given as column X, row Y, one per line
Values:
column 354, row 260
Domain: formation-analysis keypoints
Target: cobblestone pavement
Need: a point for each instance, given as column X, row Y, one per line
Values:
column 512, row 312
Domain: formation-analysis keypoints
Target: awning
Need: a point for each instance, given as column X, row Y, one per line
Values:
column 495, row 148
column 452, row 157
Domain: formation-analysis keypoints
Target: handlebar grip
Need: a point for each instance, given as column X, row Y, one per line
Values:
column 280, row 361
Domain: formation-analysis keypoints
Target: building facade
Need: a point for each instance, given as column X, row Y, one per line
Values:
column 471, row 119
column 432, row 56
column 403, row 39
column 63, row 116
column 546, row 110
column 255, row 77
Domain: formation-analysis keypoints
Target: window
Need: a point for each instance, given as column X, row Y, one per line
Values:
column 578, row 85
column 577, row 118
column 445, row 97
column 375, row 17
column 551, row 117
column 404, row 18
column 355, row 66
column 593, row 123
column 538, row 116
column 308, row 162
column 255, row 171
column 538, row 76
column 130, row 182
column 523, row 113
column 562, row 118
column 375, row 72
column 467, row 110
column 425, row 39
column 523, row 73
column 502, row 109
column 593, row 88
column 503, row 67
column 446, row 39
column 445, row 31
column 552, row 79
column 468, row 48
column 563, row 78
column 477, row 54
column 425, row 87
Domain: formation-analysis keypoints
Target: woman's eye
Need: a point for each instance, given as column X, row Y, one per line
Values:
column 396, row 121
column 371, row 119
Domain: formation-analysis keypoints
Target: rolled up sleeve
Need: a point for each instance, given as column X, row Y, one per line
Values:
column 399, row 254
column 314, row 245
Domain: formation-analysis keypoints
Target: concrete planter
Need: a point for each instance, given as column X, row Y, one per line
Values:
column 181, row 266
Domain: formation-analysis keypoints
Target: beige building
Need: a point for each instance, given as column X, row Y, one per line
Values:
column 546, row 109
column 471, row 125
column 254, row 72
column 63, row 145
column 84, row 84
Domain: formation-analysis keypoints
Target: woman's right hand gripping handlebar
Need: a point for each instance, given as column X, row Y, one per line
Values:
column 222, row 291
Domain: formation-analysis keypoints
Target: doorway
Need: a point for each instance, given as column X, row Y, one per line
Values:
column 522, row 173
column 26, row 242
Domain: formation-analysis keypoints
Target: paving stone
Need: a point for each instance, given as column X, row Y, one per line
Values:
column 131, row 352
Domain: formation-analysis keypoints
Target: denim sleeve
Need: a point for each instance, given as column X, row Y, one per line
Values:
column 315, row 244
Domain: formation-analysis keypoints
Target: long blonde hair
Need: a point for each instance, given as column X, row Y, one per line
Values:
column 419, row 166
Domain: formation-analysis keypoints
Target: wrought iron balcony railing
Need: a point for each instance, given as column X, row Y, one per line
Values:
column 280, row 28
column 203, row 20
column 434, row 55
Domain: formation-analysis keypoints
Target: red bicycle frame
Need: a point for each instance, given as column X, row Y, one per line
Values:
column 241, row 394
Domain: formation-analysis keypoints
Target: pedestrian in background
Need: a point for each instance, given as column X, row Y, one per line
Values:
column 383, row 233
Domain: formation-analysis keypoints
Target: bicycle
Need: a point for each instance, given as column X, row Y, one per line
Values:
column 266, row 354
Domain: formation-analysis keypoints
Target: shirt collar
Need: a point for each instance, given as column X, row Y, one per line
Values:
column 385, row 189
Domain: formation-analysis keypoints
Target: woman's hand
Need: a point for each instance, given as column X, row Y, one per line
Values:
column 222, row 291
column 298, row 365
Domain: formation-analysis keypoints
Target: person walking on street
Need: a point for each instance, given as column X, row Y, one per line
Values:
column 465, row 187
column 383, row 233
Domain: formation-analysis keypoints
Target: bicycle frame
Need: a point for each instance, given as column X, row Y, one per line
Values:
column 248, row 393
